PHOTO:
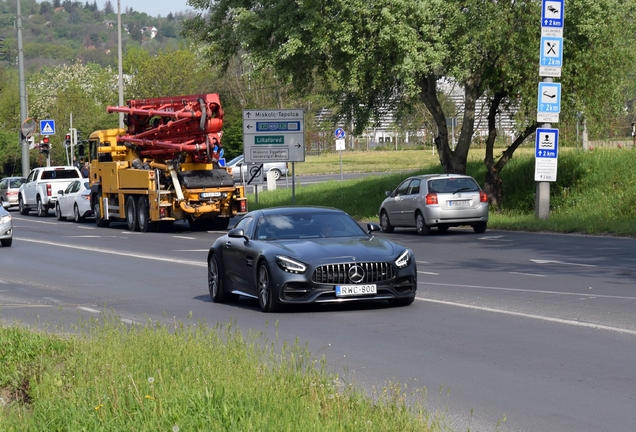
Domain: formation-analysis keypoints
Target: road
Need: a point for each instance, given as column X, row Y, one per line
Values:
column 536, row 329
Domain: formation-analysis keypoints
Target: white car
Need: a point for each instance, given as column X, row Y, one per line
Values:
column 6, row 225
column 238, row 169
column 74, row 201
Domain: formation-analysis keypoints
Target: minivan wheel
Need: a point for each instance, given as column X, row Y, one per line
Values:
column 480, row 228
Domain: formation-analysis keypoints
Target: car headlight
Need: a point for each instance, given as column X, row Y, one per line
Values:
column 5, row 219
column 404, row 259
column 290, row 265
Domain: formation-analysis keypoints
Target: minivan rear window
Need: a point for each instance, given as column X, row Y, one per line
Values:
column 60, row 174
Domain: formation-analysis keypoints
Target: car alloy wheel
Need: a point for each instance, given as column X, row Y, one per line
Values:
column 265, row 296
column 58, row 212
column 420, row 225
column 385, row 223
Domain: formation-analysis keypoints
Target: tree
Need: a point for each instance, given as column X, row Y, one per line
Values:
column 108, row 8
column 388, row 53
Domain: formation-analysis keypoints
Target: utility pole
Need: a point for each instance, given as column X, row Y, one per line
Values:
column 120, row 67
column 24, row 145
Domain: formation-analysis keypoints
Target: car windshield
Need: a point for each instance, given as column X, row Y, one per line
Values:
column 453, row 185
column 235, row 161
column 307, row 225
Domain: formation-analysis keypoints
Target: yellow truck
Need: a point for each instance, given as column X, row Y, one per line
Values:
column 163, row 167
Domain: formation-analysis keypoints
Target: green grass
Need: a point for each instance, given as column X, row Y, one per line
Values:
column 595, row 191
column 184, row 377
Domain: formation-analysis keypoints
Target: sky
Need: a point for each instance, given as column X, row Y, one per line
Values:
column 151, row 7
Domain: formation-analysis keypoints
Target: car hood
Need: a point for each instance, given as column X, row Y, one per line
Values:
column 330, row 249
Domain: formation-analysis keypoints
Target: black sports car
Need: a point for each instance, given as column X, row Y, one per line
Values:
column 289, row 255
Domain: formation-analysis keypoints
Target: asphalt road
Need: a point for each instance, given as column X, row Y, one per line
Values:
column 536, row 329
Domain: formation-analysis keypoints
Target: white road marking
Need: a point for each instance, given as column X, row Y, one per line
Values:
column 561, row 262
column 86, row 227
column 184, row 237
column 129, row 321
column 422, row 262
column 191, row 250
column 539, row 317
column 498, row 238
column 429, row 273
column 119, row 253
column 528, row 291
column 87, row 309
column 85, row 236
column 528, row 274
column 51, row 299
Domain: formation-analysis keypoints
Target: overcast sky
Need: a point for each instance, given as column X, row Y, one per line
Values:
column 151, row 7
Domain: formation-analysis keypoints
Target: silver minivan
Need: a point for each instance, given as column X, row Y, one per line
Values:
column 9, row 187
column 435, row 200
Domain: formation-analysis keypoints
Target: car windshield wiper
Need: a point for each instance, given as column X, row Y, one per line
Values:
column 464, row 189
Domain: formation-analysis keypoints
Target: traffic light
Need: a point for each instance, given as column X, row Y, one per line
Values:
column 67, row 140
column 45, row 146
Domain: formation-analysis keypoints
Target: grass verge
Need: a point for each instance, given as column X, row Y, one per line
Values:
column 111, row 376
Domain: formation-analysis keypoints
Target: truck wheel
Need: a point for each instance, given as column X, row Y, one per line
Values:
column 143, row 215
column 58, row 212
column 99, row 221
column 42, row 211
column 222, row 223
column 131, row 213
column 24, row 210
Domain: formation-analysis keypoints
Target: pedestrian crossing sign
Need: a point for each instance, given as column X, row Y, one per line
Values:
column 47, row 127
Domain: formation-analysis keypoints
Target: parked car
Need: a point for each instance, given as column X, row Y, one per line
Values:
column 288, row 255
column 435, row 200
column 6, row 225
column 9, row 187
column 74, row 201
column 238, row 169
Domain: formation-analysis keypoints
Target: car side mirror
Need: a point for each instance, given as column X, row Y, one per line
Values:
column 237, row 233
column 388, row 193
column 371, row 227
column 60, row 192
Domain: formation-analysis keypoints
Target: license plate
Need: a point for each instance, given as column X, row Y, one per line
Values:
column 355, row 290
column 459, row 203
column 210, row 194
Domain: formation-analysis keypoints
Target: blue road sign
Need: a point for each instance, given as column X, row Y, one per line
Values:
column 278, row 126
column 47, row 127
column 549, row 100
column 547, row 143
column 552, row 13
column 339, row 133
column 551, row 51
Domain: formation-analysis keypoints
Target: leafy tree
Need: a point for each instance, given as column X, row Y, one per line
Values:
column 388, row 53
column 108, row 8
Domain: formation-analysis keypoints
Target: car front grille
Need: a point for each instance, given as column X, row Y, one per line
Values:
column 335, row 274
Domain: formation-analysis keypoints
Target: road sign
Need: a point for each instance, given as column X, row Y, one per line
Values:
column 549, row 102
column 273, row 135
column 339, row 133
column 47, row 127
column 340, row 144
column 254, row 174
column 552, row 17
column 551, row 56
column 546, row 154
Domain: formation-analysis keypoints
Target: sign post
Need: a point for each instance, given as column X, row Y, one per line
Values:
column 548, row 103
column 340, row 144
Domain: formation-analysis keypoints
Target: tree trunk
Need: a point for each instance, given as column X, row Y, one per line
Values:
column 452, row 161
column 494, row 183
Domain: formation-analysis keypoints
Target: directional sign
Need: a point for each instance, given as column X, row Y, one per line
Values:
column 273, row 135
column 47, row 127
column 339, row 133
column 551, row 56
column 549, row 102
column 546, row 154
column 552, row 13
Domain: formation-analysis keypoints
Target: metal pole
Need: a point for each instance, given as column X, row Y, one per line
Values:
column 119, row 62
column 24, row 109
column 71, row 131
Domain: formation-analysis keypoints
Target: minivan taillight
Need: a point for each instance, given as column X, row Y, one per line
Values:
column 431, row 199
column 483, row 197
column 48, row 189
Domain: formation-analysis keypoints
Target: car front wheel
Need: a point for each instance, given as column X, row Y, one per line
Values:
column 265, row 294
column 58, row 212
column 385, row 223
column 215, row 282
column 24, row 210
